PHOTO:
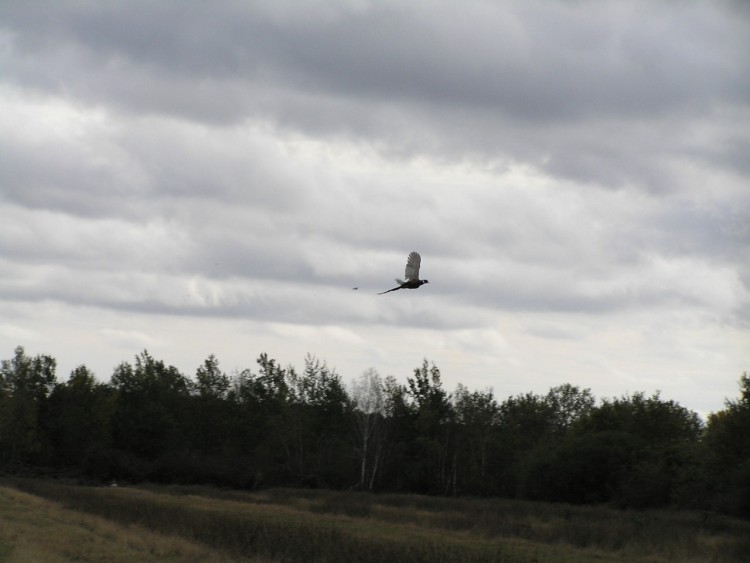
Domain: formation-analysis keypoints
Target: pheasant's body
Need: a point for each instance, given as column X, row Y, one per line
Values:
column 411, row 274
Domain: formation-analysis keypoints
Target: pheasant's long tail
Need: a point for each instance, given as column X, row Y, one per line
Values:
column 394, row 289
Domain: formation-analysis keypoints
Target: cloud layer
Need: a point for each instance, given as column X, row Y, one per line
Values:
column 575, row 175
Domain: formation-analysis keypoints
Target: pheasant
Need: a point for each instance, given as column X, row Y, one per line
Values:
column 411, row 274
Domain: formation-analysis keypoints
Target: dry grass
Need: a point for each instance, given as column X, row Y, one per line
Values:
column 33, row 529
column 293, row 525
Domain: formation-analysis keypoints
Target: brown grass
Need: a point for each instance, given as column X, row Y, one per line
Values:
column 294, row 525
column 33, row 529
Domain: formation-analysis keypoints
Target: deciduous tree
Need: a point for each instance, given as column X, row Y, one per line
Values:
column 368, row 398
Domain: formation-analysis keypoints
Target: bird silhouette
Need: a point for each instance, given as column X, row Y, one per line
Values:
column 411, row 274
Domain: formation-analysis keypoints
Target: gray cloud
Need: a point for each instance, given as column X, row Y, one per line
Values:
column 573, row 88
column 574, row 174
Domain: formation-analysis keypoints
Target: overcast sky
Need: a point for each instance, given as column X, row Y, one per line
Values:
column 214, row 177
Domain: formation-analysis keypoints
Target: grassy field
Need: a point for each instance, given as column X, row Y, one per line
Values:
column 51, row 521
column 34, row 529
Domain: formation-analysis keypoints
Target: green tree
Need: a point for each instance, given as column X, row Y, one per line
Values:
column 568, row 404
column 272, row 381
column 211, row 382
column 213, row 415
column 433, row 457
column 530, row 429
column 290, row 420
column 400, row 429
column 657, row 422
column 261, row 415
column 150, row 419
column 24, row 375
column 81, row 412
column 728, row 431
column 319, row 424
column 477, row 421
column 629, row 449
column 727, row 459
column 525, row 422
column 583, row 468
column 25, row 384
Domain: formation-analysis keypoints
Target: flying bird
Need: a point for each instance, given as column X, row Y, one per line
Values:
column 411, row 274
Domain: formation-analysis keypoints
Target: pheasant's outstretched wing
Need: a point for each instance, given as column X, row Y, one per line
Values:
column 412, row 266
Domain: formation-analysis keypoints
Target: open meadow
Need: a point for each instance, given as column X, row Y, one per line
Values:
column 53, row 521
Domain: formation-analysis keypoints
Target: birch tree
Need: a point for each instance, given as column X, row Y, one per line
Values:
column 369, row 403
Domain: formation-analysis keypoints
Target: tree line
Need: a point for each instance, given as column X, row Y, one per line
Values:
column 276, row 426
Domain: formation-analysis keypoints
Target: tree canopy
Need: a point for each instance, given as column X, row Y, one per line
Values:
column 276, row 426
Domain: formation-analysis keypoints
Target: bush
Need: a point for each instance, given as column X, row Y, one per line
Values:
column 585, row 469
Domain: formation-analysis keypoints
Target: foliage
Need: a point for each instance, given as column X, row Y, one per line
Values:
column 276, row 426
column 25, row 384
column 728, row 445
column 82, row 412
